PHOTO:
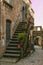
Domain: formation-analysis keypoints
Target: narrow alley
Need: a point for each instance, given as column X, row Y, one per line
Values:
column 35, row 59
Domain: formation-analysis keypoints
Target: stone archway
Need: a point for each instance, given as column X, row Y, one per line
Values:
column 37, row 40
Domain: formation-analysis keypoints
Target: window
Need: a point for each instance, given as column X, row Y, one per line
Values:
column 9, row 2
column 23, row 8
column 24, row 12
column 23, row 16
column 38, row 29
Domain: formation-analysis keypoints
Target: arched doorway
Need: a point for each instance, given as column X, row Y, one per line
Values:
column 37, row 40
column 8, row 30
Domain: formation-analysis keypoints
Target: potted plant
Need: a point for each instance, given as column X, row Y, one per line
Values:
column 21, row 37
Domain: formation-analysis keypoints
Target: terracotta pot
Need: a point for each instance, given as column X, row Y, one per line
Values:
column 19, row 46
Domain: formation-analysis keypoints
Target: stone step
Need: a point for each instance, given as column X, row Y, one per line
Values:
column 18, row 31
column 21, row 27
column 14, row 36
column 11, row 55
column 5, row 60
column 12, row 48
column 15, row 41
column 13, row 44
column 22, row 23
column 13, row 51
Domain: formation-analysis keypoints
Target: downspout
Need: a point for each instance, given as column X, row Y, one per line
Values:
column 0, row 21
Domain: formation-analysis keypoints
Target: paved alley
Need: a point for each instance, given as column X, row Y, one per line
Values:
column 35, row 59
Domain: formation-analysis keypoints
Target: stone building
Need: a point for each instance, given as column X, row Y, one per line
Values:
column 10, row 15
column 38, row 35
column 12, row 12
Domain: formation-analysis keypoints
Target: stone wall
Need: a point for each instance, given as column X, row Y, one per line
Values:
column 13, row 14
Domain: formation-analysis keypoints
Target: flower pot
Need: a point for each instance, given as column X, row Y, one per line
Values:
column 19, row 46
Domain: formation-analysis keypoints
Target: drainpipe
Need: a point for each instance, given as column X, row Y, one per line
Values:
column 0, row 20
column 0, row 32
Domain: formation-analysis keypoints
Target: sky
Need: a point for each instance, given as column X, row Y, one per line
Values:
column 37, row 6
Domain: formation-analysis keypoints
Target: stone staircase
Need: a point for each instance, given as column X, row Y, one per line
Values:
column 12, row 49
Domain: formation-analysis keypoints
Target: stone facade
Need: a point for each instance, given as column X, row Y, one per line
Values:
column 38, row 36
column 12, row 12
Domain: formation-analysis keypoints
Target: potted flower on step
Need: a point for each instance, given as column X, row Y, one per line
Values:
column 21, row 37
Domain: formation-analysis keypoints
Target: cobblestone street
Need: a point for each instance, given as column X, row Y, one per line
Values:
column 35, row 59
